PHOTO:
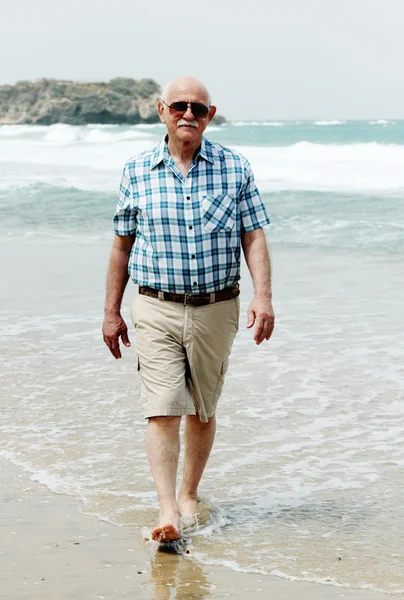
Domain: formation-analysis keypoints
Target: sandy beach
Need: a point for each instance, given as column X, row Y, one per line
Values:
column 49, row 549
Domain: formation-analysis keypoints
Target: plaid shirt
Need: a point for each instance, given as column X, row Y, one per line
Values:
column 187, row 231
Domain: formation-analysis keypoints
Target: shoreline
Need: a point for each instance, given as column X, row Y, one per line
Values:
column 50, row 549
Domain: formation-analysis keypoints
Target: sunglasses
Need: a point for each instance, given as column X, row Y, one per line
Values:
column 200, row 111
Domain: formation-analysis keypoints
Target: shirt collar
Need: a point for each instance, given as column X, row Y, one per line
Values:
column 206, row 150
column 161, row 152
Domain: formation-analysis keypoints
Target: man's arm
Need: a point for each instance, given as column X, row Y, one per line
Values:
column 114, row 326
column 260, row 310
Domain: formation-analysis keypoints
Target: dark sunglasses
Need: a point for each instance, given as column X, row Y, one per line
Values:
column 200, row 111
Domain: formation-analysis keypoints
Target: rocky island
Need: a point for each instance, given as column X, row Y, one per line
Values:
column 120, row 101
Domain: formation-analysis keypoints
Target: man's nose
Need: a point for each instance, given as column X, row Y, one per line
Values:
column 188, row 114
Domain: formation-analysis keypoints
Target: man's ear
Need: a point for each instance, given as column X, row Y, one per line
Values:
column 160, row 110
column 212, row 113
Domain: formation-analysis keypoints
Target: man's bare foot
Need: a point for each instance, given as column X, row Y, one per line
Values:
column 165, row 533
column 187, row 504
column 169, row 526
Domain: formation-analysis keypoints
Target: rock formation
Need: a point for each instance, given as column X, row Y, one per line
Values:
column 47, row 101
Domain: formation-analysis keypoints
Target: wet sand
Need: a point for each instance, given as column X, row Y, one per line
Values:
column 50, row 550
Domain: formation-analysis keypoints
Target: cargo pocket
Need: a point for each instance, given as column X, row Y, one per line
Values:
column 143, row 388
column 220, row 382
column 218, row 213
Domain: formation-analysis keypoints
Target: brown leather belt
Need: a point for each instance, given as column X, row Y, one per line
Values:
column 192, row 299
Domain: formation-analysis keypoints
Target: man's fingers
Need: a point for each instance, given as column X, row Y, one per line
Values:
column 268, row 329
column 271, row 328
column 115, row 349
column 251, row 318
column 125, row 338
column 263, row 335
column 114, row 327
column 113, row 345
column 259, row 326
column 264, row 329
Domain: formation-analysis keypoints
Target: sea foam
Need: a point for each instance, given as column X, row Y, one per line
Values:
column 96, row 163
column 334, row 122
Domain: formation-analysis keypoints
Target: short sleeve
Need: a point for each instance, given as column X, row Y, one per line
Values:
column 125, row 214
column 252, row 210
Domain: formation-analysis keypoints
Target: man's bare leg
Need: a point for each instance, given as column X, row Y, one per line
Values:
column 163, row 448
column 199, row 439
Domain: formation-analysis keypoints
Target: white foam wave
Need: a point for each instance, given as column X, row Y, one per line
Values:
column 55, row 484
column 273, row 124
column 63, row 134
column 83, row 166
column 18, row 130
column 306, row 577
column 150, row 126
column 335, row 167
column 94, row 162
column 92, row 181
column 97, row 136
column 380, row 122
column 60, row 133
column 230, row 564
column 310, row 579
column 334, row 122
column 258, row 124
column 333, row 581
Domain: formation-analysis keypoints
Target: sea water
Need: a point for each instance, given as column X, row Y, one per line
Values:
column 305, row 480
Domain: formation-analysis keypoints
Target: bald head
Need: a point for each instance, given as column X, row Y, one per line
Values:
column 185, row 85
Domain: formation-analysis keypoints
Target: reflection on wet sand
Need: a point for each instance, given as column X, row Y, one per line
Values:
column 177, row 577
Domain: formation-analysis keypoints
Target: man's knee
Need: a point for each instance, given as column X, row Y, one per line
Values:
column 195, row 421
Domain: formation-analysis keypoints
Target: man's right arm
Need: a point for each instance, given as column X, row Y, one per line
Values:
column 114, row 326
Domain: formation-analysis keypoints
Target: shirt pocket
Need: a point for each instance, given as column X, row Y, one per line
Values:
column 218, row 213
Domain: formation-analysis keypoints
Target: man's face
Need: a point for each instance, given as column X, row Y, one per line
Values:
column 185, row 126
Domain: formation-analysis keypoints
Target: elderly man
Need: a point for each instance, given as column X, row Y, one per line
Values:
column 185, row 209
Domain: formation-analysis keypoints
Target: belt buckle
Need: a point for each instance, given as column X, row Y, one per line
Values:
column 186, row 298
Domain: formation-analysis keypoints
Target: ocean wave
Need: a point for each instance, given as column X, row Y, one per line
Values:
column 258, row 124
column 335, row 122
column 337, row 167
column 65, row 134
column 93, row 161
column 49, row 237
column 97, row 136
column 18, row 130
column 62, row 134
column 106, row 180
column 304, row 578
column 381, row 122
column 150, row 126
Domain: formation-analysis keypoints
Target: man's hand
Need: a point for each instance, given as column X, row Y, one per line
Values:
column 113, row 328
column 261, row 313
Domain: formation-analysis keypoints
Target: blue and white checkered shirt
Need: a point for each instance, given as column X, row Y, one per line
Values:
column 187, row 231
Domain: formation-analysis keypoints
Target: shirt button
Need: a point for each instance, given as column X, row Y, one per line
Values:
column 193, row 256
column 195, row 283
column 188, row 197
column 190, row 227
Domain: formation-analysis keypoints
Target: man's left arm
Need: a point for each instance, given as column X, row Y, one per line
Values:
column 260, row 310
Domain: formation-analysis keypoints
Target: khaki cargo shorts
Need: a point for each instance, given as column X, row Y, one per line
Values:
column 183, row 354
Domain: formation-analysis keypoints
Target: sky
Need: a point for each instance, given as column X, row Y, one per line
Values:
column 261, row 59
